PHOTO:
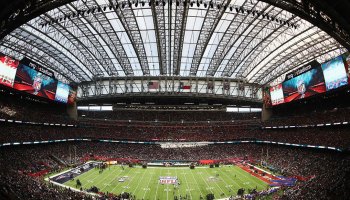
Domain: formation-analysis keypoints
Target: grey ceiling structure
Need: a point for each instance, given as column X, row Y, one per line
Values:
column 249, row 40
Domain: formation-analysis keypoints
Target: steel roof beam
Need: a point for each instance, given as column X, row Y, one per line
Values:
column 59, row 41
column 269, row 50
column 329, row 52
column 89, row 39
column 179, row 35
column 260, row 48
column 128, row 20
column 260, row 32
column 159, row 25
column 36, row 55
column 236, row 28
column 211, row 20
column 300, row 55
column 54, row 52
column 114, row 42
column 76, row 45
column 288, row 50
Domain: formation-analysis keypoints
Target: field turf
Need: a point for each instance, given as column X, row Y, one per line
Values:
column 144, row 183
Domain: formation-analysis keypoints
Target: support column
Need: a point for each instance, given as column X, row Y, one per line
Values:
column 72, row 111
column 266, row 112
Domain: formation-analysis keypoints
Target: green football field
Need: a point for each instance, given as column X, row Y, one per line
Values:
column 144, row 183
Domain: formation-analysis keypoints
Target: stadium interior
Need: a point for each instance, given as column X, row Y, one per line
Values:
column 225, row 99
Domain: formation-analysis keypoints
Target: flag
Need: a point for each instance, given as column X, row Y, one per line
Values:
column 153, row 86
column 184, row 86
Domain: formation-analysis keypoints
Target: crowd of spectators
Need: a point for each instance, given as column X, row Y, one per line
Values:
column 332, row 136
column 312, row 118
column 170, row 116
column 329, row 171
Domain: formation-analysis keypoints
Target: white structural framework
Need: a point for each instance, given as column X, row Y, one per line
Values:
column 246, row 40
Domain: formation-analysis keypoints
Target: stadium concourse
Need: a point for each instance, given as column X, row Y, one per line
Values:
column 174, row 99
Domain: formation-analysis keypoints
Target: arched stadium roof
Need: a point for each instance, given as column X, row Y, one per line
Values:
column 241, row 39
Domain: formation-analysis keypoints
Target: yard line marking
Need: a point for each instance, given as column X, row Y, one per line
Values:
column 129, row 170
column 244, row 174
column 148, row 185
column 113, row 171
column 196, row 182
column 104, row 175
column 226, row 171
column 167, row 188
column 139, row 181
column 178, row 179
column 215, row 182
column 187, row 186
column 208, row 186
column 155, row 197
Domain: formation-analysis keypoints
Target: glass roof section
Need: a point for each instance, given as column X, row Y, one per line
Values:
column 242, row 39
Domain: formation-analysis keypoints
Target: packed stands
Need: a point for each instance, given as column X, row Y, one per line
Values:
column 337, row 136
column 327, row 174
column 170, row 116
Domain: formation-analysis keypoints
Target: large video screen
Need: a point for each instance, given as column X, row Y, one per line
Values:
column 276, row 94
column 8, row 68
column 304, row 85
column 62, row 92
column 36, row 83
column 334, row 73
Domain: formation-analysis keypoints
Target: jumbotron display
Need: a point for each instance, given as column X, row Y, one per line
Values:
column 313, row 79
column 19, row 76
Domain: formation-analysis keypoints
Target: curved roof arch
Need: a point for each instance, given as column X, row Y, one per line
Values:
column 241, row 39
